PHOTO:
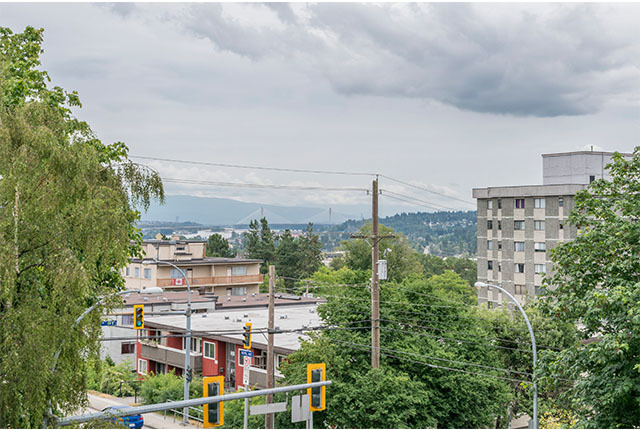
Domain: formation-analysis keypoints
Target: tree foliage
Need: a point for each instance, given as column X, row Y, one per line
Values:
column 596, row 286
column 218, row 246
column 67, row 220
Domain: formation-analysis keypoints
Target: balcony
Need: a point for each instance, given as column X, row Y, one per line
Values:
column 211, row 280
column 171, row 356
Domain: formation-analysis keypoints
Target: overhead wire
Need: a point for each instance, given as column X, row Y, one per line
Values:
column 261, row 186
column 426, row 189
column 427, row 205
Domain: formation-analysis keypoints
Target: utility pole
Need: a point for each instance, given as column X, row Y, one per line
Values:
column 270, row 358
column 375, row 287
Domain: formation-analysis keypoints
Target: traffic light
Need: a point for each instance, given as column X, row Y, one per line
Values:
column 317, row 395
column 246, row 336
column 214, row 412
column 189, row 374
column 138, row 317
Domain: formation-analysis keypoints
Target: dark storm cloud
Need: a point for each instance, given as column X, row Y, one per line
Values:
column 565, row 60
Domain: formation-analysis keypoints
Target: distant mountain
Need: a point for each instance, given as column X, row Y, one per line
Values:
column 215, row 211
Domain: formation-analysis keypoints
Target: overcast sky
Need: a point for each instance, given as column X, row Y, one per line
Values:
column 445, row 96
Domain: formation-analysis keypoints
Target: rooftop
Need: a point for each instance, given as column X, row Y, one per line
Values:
column 199, row 261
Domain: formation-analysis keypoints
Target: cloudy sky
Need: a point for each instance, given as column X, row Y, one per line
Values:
column 447, row 97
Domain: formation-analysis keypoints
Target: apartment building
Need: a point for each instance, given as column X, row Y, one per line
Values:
column 221, row 276
column 217, row 339
column 518, row 226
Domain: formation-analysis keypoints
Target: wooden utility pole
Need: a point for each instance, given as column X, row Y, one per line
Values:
column 270, row 358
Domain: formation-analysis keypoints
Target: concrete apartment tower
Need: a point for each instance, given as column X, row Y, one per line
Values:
column 519, row 225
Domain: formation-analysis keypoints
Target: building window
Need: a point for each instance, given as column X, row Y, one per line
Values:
column 539, row 203
column 161, row 368
column 127, row 271
column 142, row 366
column 239, row 291
column 195, row 344
column 180, row 248
column 499, row 225
column 499, row 245
column 489, row 265
column 538, row 225
column 560, row 202
column 489, row 245
column 592, row 178
column 561, row 226
column 175, row 274
column 147, row 273
column 128, row 348
column 209, row 350
column 279, row 360
column 518, row 246
column 489, row 204
column 520, row 289
column 489, row 225
column 540, row 268
column 539, row 290
column 519, row 267
column 518, row 225
column 499, row 204
column 239, row 271
column 540, row 246
column 519, row 203
column 136, row 272
column 127, row 320
column 499, row 267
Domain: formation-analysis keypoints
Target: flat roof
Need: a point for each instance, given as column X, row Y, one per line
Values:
column 564, row 154
column 286, row 318
column 171, row 296
column 262, row 300
column 527, row 191
column 200, row 261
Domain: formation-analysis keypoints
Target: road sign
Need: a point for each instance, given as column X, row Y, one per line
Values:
column 246, row 353
column 299, row 408
column 110, row 323
column 268, row 409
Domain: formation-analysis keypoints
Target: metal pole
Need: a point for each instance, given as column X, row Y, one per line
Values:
column 185, row 403
column 268, row 421
column 375, row 291
column 246, row 407
column 187, row 355
column 311, row 420
column 533, row 346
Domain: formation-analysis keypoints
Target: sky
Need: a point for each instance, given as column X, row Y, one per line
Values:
column 446, row 97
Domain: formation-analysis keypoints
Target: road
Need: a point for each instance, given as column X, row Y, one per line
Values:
column 151, row 420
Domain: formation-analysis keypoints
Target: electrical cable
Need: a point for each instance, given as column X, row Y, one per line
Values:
column 261, row 186
column 426, row 189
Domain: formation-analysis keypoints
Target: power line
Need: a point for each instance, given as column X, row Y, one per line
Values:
column 412, row 203
column 416, row 199
column 260, row 186
column 244, row 166
column 426, row 189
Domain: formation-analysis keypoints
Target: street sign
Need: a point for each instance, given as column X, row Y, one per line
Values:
column 245, row 373
column 110, row 323
column 246, row 353
column 299, row 408
column 268, row 409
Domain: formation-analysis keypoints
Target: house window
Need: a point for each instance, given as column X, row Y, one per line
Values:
column 142, row 366
column 127, row 320
column 539, row 203
column 538, row 225
column 499, row 204
column 560, row 202
column 136, row 272
column 209, row 350
column 127, row 271
column 195, row 344
column 540, row 246
column 239, row 291
column 519, row 203
column 147, row 273
column 520, row 289
column 175, row 274
column 489, row 225
column 519, row 267
column 279, row 360
column 518, row 225
column 540, row 268
column 239, row 271
column 489, row 265
column 490, row 204
column 518, row 246
column 489, row 245
column 180, row 248
column 161, row 368
column 128, row 348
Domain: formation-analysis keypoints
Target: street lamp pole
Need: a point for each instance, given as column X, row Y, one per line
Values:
column 533, row 347
column 187, row 355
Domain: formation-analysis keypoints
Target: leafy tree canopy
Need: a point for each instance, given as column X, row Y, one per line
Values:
column 218, row 246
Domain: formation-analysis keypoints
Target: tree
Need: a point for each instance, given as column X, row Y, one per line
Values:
column 310, row 250
column 218, row 246
column 66, row 229
column 595, row 285
column 260, row 243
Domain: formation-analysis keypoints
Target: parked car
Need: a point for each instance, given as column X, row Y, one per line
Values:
column 131, row 421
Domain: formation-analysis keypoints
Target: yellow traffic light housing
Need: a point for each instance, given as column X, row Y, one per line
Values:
column 246, row 336
column 213, row 414
column 317, row 395
column 138, row 317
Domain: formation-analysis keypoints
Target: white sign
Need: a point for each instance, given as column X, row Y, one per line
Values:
column 271, row 408
column 299, row 408
column 382, row 269
column 246, row 370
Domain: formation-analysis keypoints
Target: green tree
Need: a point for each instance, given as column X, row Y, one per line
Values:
column 260, row 243
column 66, row 226
column 288, row 260
column 310, row 250
column 595, row 285
column 218, row 246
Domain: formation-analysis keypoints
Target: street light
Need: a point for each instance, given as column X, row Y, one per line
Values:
column 185, row 412
column 533, row 346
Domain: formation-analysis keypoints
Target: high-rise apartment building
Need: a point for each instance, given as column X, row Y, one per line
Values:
column 519, row 225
